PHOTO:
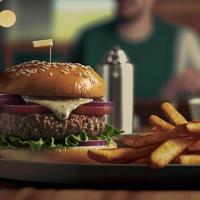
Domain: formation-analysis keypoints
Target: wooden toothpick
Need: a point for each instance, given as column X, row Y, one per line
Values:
column 44, row 43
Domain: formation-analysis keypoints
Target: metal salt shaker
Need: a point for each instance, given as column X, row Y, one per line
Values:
column 118, row 74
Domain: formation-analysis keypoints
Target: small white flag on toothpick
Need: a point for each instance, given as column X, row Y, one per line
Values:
column 44, row 43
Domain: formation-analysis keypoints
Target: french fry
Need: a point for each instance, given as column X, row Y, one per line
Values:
column 194, row 147
column 146, row 139
column 189, row 159
column 180, row 131
column 145, row 160
column 162, row 146
column 120, row 155
column 193, row 127
column 155, row 129
column 176, row 160
column 154, row 138
column 159, row 123
column 172, row 114
column 168, row 151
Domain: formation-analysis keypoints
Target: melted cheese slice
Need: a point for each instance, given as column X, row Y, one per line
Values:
column 60, row 107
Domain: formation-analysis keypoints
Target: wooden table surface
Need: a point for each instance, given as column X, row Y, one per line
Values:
column 29, row 193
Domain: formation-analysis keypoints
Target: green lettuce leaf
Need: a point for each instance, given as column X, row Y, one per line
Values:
column 110, row 132
column 69, row 141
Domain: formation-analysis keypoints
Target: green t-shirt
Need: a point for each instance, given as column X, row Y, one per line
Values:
column 153, row 58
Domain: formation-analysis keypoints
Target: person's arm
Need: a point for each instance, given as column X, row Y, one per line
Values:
column 186, row 78
column 187, row 50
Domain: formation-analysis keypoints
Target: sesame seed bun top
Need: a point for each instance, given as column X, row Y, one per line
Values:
column 40, row 78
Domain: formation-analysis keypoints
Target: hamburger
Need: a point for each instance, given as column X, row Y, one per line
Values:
column 53, row 112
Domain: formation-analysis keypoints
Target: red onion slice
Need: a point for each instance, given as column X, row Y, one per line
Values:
column 93, row 143
column 11, row 99
column 25, row 109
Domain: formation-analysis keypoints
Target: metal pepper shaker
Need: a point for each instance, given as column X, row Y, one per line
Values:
column 118, row 74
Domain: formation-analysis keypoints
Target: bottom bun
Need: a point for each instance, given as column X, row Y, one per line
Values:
column 59, row 155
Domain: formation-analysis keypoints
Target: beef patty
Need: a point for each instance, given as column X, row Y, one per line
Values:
column 35, row 126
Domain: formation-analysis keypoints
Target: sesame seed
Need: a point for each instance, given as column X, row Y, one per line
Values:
column 17, row 66
column 78, row 64
column 88, row 67
column 92, row 80
column 86, row 73
column 77, row 85
column 11, row 69
column 27, row 70
column 28, row 65
column 66, row 69
column 35, row 61
column 33, row 71
column 50, row 74
column 64, row 72
column 85, row 76
column 23, row 73
column 71, row 66
column 44, row 67
column 76, row 74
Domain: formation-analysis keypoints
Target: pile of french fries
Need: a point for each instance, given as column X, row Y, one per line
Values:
column 176, row 141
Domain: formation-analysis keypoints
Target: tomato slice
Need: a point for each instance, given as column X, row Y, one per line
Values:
column 93, row 110
column 25, row 109
column 99, row 103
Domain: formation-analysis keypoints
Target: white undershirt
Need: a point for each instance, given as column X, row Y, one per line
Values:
column 187, row 52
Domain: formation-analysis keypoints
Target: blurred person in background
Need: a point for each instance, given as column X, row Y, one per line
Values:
column 166, row 57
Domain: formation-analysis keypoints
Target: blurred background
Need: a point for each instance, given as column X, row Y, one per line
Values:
column 65, row 20
column 61, row 20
